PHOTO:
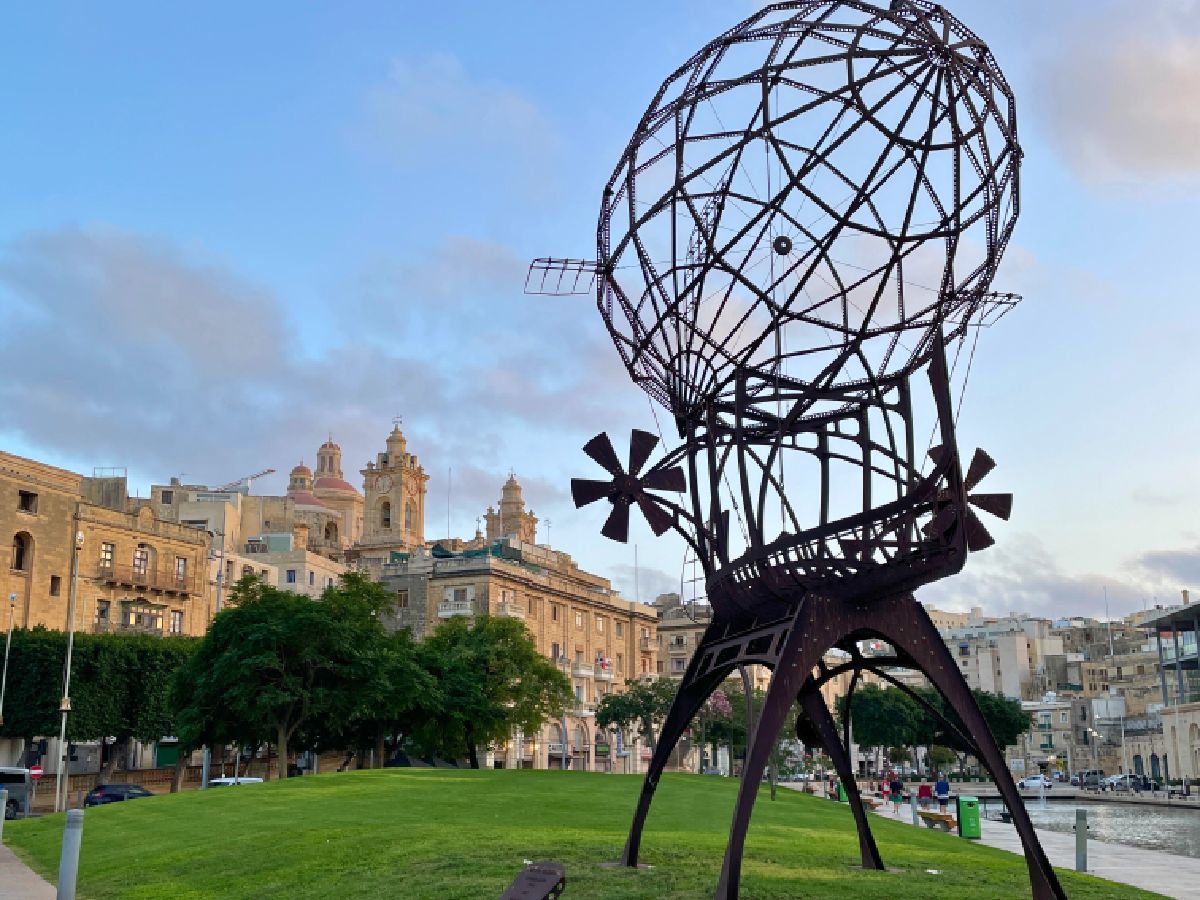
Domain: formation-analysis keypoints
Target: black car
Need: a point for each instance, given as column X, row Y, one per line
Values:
column 114, row 793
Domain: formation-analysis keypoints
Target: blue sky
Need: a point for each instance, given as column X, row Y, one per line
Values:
column 231, row 229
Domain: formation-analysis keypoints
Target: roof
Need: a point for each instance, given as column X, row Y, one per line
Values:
column 1178, row 618
column 304, row 498
column 330, row 483
column 302, row 468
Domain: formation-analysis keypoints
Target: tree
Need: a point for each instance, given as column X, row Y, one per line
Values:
column 275, row 661
column 885, row 717
column 644, row 703
column 1005, row 718
column 941, row 757
column 492, row 680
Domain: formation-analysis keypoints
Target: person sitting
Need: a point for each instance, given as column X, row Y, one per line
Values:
column 924, row 793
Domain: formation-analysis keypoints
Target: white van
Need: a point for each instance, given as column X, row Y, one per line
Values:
column 19, row 785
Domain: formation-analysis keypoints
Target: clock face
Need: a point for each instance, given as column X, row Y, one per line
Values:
column 383, row 484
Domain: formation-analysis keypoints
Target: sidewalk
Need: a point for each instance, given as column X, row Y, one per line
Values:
column 1150, row 870
column 19, row 882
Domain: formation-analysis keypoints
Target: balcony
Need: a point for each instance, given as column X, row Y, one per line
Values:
column 647, row 644
column 131, row 576
column 510, row 611
column 107, row 627
column 583, row 710
column 450, row 608
column 604, row 674
column 582, row 670
column 678, row 648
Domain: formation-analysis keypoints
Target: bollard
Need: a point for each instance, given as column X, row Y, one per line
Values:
column 1081, row 835
column 912, row 798
column 68, row 865
column 3, row 810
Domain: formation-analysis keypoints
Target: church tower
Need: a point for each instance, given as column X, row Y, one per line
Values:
column 394, row 510
column 331, row 488
column 512, row 520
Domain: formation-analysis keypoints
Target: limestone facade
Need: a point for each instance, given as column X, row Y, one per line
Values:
column 394, row 508
column 136, row 572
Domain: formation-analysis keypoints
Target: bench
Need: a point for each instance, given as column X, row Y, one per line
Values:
column 872, row 802
column 941, row 820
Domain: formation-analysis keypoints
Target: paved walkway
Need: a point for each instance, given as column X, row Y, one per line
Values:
column 19, row 882
column 1151, row 870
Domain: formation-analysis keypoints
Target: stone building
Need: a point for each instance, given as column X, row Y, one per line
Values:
column 596, row 637
column 136, row 572
column 332, row 491
column 512, row 519
column 394, row 509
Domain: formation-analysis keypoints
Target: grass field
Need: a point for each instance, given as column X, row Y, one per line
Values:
column 450, row 834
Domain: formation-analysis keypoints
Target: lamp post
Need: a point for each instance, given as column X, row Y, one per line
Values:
column 12, row 611
column 565, row 663
column 220, row 558
column 64, row 706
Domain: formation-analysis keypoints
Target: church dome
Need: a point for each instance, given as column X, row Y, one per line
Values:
column 338, row 485
column 301, row 471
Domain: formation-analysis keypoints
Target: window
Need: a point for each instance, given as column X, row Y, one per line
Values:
column 645, row 665
column 141, row 559
column 677, row 666
column 385, row 514
column 660, row 667
column 401, row 599
column 620, row 629
column 578, row 619
column 102, row 611
column 554, row 612
column 27, row 501
column 328, row 581
column 108, row 553
column 176, row 621
column 247, row 570
column 181, row 568
column 55, row 585
column 555, row 651
column 168, row 497
column 460, row 595
column 620, row 663
column 144, row 617
column 409, row 515
column 312, row 578
column 291, row 576
column 599, row 625
column 22, row 552
column 1064, row 717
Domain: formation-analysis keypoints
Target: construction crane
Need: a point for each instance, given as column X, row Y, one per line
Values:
column 246, row 480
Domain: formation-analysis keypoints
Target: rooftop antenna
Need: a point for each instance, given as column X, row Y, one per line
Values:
column 449, row 485
column 548, row 524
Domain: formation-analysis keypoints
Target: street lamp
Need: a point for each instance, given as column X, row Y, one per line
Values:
column 64, row 706
column 12, row 611
column 220, row 559
column 565, row 663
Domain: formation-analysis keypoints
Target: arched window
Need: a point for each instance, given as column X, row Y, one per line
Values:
column 331, row 533
column 1139, row 766
column 408, row 515
column 22, row 551
column 385, row 514
column 1155, row 771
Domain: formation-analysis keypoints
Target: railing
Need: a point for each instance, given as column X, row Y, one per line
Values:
column 107, row 627
column 582, row 670
column 449, row 608
column 679, row 648
column 583, row 710
column 139, row 577
column 604, row 674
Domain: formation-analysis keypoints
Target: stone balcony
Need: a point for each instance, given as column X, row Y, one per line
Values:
column 510, row 611
column 582, row 670
column 605, row 675
column 449, row 608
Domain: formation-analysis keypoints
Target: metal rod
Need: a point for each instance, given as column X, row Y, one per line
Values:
column 60, row 782
column 12, row 611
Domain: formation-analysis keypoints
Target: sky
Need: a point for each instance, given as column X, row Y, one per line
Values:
column 230, row 230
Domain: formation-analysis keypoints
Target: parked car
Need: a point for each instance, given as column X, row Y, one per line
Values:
column 1089, row 778
column 1129, row 782
column 18, row 783
column 114, row 793
column 1035, row 783
column 233, row 781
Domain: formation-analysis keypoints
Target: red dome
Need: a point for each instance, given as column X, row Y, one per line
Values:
column 302, row 469
column 330, row 483
column 304, row 498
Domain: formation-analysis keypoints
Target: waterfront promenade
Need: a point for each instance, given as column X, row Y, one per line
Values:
column 1151, row 870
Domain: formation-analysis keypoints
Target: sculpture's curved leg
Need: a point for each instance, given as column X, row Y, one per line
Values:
column 918, row 638
column 816, row 715
column 797, row 658
column 693, row 691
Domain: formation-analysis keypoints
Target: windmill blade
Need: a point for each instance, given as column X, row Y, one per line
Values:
column 978, row 537
column 586, row 490
column 981, row 464
column 999, row 505
column 657, row 518
column 617, row 526
column 936, row 454
column 600, row 449
column 941, row 522
column 641, row 445
column 671, row 479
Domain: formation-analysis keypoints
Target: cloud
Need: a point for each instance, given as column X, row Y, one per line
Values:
column 431, row 109
column 648, row 581
column 1178, row 568
column 1116, row 98
column 132, row 351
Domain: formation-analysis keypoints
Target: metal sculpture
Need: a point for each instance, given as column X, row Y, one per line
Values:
column 794, row 249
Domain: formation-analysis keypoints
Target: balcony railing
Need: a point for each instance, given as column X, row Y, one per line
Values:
column 677, row 648
column 582, row 670
column 135, row 576
column 604, row 674
column 107, row 627
column 449, row 608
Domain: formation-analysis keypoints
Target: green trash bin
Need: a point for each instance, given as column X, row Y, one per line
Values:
column 842, row 793
column 968, row 818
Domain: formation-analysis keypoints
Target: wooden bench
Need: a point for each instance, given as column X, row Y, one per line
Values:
column 872, row 802
column 941, row 820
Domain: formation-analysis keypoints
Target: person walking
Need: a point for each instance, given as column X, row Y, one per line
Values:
column 942, row 789
column 924, row 793
column 897, row 787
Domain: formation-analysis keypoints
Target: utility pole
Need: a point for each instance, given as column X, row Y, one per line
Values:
column 12, row 611
column 64, row 706
column 207, row 761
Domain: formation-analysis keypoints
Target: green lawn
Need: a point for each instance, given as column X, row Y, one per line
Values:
column 449, row 834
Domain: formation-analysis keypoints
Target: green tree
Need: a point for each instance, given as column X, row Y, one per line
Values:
column 941, row 758
column 1005, row 718
column 491, row 680
column 885, row 717
column 275, row 661
column 642, row 706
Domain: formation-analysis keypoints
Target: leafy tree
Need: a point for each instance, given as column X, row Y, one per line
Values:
column 644, row 703
column 941, row 757
column 275, row 661
column 1005, row 718
column 885, row 717
column 492, row 680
